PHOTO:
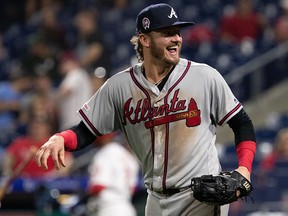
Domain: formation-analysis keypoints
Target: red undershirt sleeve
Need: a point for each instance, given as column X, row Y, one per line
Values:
column 245, row 152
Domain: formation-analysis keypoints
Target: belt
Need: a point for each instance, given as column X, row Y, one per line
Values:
column 172, row 191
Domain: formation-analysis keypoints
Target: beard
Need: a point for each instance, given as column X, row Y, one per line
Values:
column 158, row 54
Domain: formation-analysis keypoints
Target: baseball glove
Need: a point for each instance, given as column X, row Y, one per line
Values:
column 221, row 189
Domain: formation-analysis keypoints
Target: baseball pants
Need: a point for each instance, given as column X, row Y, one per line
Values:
column 180, row 204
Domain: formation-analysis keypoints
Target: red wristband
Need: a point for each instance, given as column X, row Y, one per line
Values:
column 70, row 139
column 245, row 152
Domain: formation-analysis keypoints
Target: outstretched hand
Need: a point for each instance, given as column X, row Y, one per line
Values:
column 54, row 147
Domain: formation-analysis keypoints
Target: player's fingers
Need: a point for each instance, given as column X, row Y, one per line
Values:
column 53, row 147
column 62, row 158
column 38, row 156
column 42, row 156
column 55, row 158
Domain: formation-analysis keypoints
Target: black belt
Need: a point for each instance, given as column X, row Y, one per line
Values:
column 172, row 191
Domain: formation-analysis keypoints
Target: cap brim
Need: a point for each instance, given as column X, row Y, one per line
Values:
column 183, row 24
column 179, row 24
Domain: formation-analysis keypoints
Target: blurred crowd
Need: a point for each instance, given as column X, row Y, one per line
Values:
column 54, row 54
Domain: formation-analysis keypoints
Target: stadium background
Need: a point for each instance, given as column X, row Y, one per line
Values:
column 255, row 69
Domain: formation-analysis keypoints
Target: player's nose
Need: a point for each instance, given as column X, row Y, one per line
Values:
column 176, row 38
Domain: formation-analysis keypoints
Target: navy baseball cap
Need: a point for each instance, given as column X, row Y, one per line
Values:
column 157, row 16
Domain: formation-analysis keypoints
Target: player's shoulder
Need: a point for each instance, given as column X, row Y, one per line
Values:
column 202, row 66
column 203, row 69
column 194, row 65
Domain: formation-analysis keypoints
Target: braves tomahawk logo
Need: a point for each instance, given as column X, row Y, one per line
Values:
column 176, row 110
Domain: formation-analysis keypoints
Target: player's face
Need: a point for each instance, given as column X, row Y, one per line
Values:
column 166, row 45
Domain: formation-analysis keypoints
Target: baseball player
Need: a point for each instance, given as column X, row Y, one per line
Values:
column 168, row 108
column 113, row 178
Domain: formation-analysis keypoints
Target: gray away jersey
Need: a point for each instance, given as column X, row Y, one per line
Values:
column 172, row 132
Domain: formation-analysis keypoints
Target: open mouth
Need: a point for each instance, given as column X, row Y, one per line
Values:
column 173, row 49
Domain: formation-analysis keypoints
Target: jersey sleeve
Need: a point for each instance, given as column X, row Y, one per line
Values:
column 98, row 113
column 224, row 104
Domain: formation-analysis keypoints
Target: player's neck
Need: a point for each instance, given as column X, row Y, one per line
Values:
column 155, row 74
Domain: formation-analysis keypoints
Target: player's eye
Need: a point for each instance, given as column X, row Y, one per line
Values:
column 169, row 32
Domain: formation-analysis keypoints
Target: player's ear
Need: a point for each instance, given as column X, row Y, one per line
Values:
column 144, row 40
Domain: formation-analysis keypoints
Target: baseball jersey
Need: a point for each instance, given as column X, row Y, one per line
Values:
column 172, row 131
column 117, row 169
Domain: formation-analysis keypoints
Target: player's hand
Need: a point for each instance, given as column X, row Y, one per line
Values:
column 54, row 147
column 245, row 172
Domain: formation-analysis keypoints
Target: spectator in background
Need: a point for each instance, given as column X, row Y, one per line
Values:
column 74, row 90
column 11, row 13
column 281, row 27
column 51, row 28
column 40, row 57
column 90, row 44
column 4, row 60
column 280, row 152
column 12, row 100
column 113, row 178
column 32, row 7
column 199, row 34
column 281, row 30
column 244, row 23
column 42, row 102
column 280, row 65
column 113, row 4
column 39, row 131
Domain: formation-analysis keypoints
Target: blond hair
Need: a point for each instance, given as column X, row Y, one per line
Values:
column 137, row 47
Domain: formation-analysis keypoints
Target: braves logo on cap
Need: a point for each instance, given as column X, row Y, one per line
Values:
column 146, row 23
column 172, row 13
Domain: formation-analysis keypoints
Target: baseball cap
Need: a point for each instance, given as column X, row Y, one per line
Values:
column 157, row 16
